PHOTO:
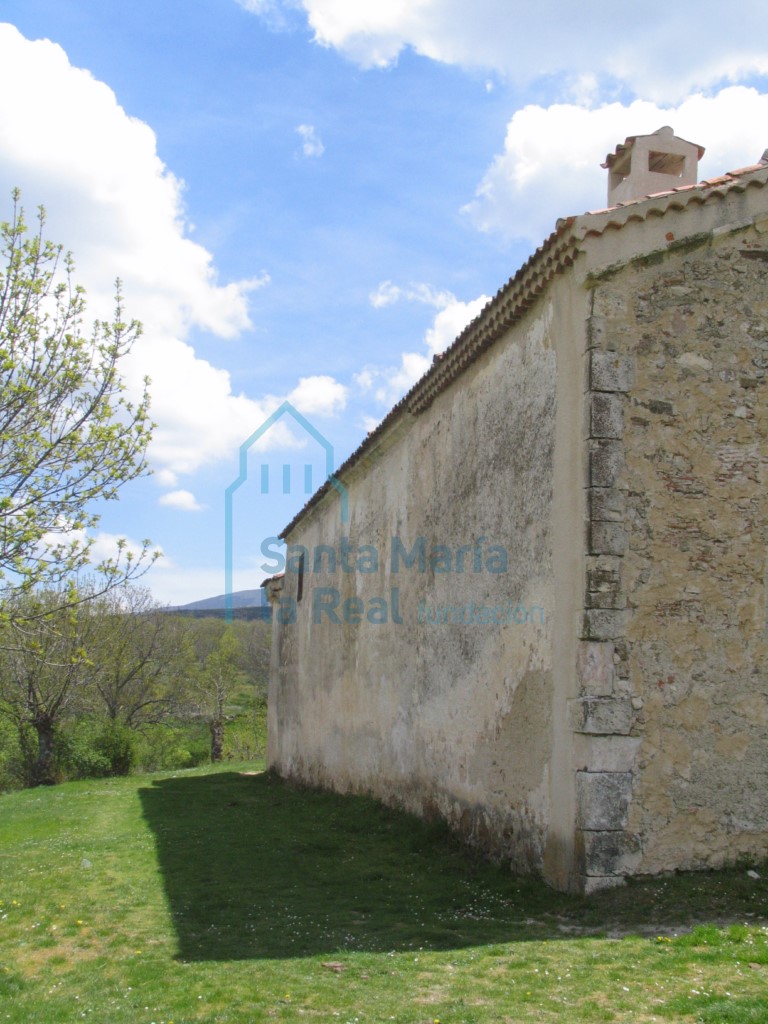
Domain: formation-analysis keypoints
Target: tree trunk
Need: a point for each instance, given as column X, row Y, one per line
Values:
column 43, row 770
column 217, row 739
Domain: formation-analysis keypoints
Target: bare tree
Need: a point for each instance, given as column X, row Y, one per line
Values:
column 138, row 658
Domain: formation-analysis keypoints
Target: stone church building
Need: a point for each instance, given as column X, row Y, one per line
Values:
column 540, row 610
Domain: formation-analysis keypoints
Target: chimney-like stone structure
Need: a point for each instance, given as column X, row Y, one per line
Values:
column 645, row 164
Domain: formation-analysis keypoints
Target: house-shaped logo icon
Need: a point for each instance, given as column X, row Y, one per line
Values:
column 287, row 480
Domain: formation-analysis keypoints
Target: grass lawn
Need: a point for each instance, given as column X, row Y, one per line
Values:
column 227, row 896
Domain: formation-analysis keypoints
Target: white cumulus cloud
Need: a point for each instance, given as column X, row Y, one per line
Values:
column 273, row 12
column 450, row 321
column 67, row 143
column 166, row 478
column 115, row 547
column 657, row 48
column 388, row 384
column 320, row 396
column 388, row 293
column 185, row 501
column 104, row 546
column 311, row 144
column 550, row 166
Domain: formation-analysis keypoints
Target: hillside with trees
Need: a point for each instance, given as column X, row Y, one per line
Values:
column 94, row 678
column 114, row 683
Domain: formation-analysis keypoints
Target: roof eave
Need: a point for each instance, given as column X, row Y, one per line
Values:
column 555, row 255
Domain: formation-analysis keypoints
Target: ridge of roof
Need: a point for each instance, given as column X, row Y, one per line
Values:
column 729, row 178
column 558, row 251
column 630, row 141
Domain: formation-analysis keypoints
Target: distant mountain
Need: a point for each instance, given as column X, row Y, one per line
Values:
column 240, row 599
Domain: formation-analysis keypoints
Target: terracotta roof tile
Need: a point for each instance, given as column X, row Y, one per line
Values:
column 514, row 298
column 729, row 178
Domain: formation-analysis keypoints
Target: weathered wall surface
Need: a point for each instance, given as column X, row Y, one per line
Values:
column 599, row 708
column 450, row 709
column 676, row 579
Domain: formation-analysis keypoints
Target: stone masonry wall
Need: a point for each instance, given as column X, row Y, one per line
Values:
column 672, row 723
column 443, row 704
column 625, row 731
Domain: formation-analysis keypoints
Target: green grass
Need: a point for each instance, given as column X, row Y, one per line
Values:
column 223, row 896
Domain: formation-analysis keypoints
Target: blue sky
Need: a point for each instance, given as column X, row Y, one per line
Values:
column 306, row 199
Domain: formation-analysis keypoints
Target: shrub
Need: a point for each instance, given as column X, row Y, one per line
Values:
column 77, row 756
column 117, row 745
column 172, row 745
column 245, row 736
column 17, row 754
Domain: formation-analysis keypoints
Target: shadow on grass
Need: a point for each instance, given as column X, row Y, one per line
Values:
column 256, row 868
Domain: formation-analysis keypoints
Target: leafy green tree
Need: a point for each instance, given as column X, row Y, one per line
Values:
column 68, row 434
column 43, row 672
column 217, row 671
column 255, row 640
column 114, row 659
